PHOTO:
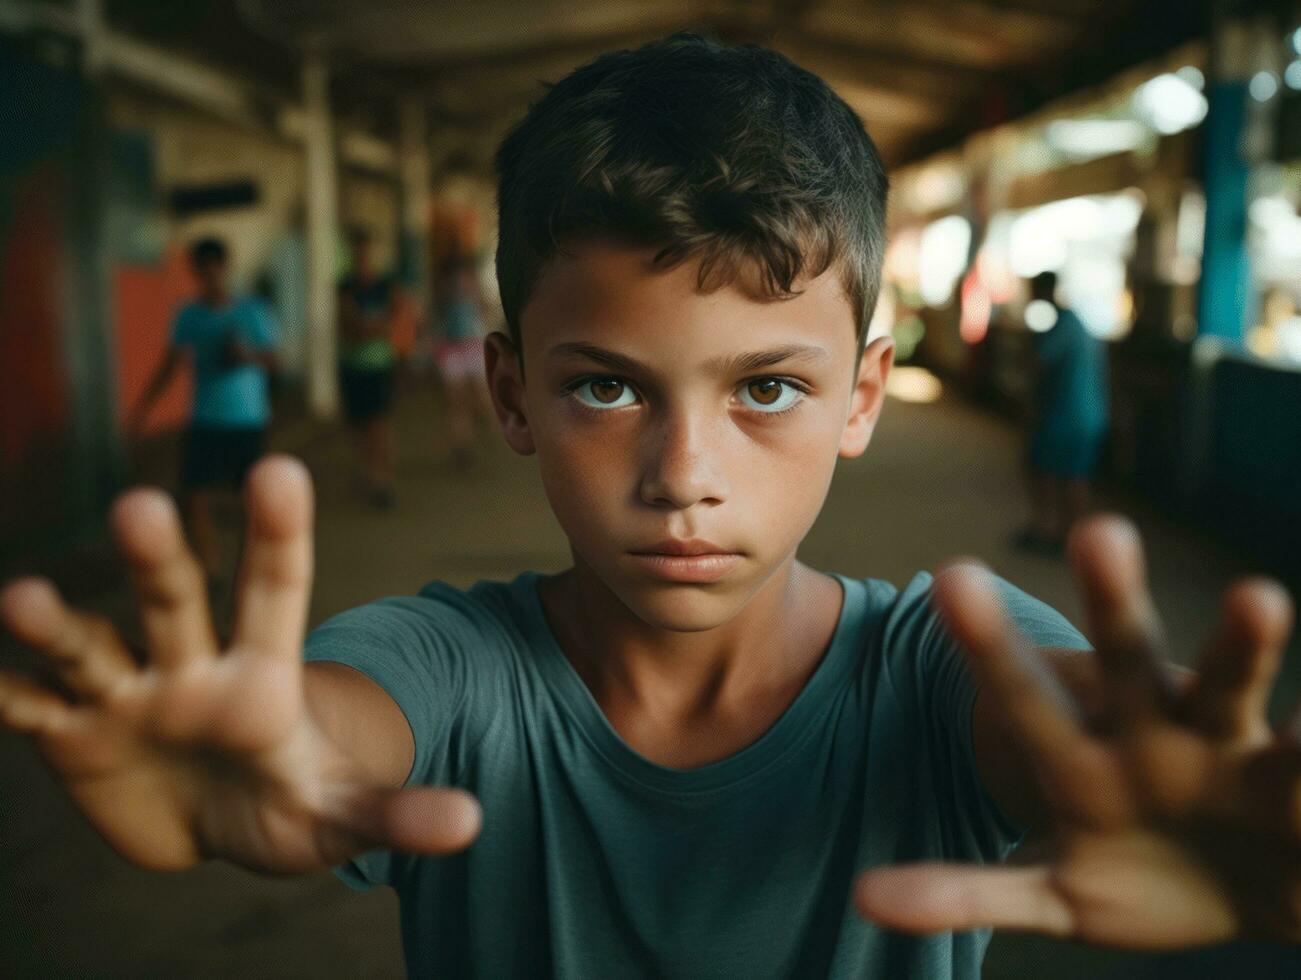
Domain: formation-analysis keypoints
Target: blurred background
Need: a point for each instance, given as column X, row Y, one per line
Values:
column 1147, row 153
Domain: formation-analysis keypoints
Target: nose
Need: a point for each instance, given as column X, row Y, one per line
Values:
column 683, row 463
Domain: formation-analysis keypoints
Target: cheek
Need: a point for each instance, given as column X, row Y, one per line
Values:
column 586, row 470
column 789, row 470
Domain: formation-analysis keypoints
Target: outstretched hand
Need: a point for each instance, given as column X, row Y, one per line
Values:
column 202, row 752
column 1174, row 818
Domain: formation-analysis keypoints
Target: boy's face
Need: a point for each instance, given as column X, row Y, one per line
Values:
column 211, row 275
column 663, row 414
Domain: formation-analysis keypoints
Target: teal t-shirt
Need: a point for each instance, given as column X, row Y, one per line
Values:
column 227, row 396
column 596, row 862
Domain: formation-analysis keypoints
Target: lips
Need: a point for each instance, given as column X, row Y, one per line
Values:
column 687, row 562
column 672, row 546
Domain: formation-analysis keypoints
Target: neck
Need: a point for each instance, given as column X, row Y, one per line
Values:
column 773, row 642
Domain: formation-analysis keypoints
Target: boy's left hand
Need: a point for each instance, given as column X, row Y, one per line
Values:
column 1176, row 822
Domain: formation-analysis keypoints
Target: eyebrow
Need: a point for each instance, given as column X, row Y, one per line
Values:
column 735, row 363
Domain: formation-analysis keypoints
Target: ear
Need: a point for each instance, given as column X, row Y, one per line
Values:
column 506, row 385
column 867, row 397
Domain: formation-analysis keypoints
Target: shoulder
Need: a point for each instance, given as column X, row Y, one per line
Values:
column 438, row 612
column 456, row 636
column 911, row 617
column 448, row 657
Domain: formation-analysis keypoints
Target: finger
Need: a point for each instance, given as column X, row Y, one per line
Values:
column 935, row 897
column 1041, row 712
column 276, row 570
column 1107, row 557
column 420, row 820
column 1230, row 696
column 167, row 578
column 31, row 709
column 85, row 650
column 1264, row 792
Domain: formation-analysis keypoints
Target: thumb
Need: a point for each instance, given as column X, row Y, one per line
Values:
column 420, row 820
column 935, row 897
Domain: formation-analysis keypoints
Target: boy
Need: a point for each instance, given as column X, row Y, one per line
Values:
column 686, row 746
column 231, row 342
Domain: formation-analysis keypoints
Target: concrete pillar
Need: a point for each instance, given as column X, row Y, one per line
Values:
column 416, row 175
column 90, row 350
column 321, row 218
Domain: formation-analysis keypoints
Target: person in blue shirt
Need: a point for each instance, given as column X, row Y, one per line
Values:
column 1070, row 420
column 230, row 342
column 688, row 754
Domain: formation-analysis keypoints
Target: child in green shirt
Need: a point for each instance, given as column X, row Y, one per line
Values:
column 689, row 754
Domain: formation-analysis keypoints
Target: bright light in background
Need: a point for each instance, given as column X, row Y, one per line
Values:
column 1040, row 315
column 1278, row 226
column 901, row 257
column 913, row 384
column 1094, row 287
column 1035, row 246
column 1095, row 137
column 944, row 249
column 1087, row 241
column 1170, row 103
column 1263, row 86
column 1190, row 233
column 1292, row 75
column 1193, row 76
column 937, row 186
column 976, row 306
column 1296, row 40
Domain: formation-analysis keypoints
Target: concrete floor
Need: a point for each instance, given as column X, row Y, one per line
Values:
column 939, row 480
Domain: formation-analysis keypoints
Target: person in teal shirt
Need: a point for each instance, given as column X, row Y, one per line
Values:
column 231, row 342
column 1070, row 421
column 689, row 754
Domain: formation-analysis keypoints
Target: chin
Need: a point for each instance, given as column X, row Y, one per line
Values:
column 682, row 608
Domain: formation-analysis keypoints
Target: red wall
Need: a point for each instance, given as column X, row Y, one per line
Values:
column 145, row 299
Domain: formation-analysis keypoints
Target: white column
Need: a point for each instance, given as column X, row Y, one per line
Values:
column 321, row 214
column 416, row 177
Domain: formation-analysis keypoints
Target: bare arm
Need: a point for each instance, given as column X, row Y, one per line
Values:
column 157, row 385
column 359, row 722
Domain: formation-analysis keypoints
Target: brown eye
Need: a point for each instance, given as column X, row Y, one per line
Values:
column 607, row 391
column 766, row 392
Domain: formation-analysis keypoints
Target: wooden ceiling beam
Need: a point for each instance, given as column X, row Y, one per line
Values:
column 875, row 57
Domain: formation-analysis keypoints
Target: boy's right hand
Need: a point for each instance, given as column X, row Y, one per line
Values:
column 202, row 753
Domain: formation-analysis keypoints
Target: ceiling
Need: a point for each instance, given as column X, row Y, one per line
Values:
column 921, row 73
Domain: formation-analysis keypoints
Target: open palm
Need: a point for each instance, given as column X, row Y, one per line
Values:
column 1174, row 813
column 203, row 752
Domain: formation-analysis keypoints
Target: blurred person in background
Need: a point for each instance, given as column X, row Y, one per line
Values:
column 368, row 361
column 459, row 353
column 231, row 342
column 1070, row 418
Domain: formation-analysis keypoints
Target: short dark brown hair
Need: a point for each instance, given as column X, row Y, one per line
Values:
column 207, row 251
column 729, row 153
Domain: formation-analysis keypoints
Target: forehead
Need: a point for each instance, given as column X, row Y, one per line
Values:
column 606, row 294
